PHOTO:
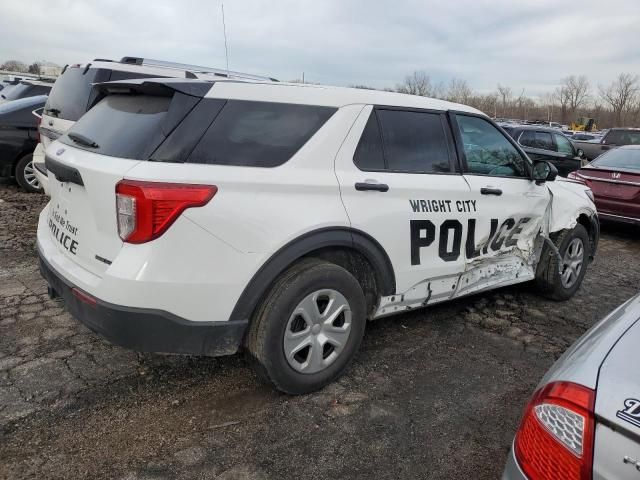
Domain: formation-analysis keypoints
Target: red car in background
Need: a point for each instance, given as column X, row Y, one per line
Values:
column 614, row 178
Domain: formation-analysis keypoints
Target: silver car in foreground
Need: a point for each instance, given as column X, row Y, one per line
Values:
column 583, row 421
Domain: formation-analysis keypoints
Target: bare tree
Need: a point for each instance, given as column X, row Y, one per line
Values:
column 621, row 95
column 34, row 68
column 576, row 92
column 459, row 91
column 504, row 93
column 418, row 83
column 14, row 66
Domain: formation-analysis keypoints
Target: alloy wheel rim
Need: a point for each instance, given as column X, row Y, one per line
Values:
column 572, row 263
column 317, row 331
column 30, row 176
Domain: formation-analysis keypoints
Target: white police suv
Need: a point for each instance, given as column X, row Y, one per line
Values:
column 204, row 217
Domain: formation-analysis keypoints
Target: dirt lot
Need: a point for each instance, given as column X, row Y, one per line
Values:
column 433, row 394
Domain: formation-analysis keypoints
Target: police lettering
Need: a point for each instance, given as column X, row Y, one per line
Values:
column 63, row 238
column 423, row 233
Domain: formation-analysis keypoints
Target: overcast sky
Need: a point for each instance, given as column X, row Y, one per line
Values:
column 523, row 44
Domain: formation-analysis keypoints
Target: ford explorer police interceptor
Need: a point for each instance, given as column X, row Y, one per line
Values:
column 203, row 217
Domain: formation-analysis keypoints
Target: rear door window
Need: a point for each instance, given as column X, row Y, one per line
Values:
column 533, row 139
column 369, row 155
column 258, row 134
column 414, row 142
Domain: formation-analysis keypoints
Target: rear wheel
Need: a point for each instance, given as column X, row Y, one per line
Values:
column 308, row 328
column 26, row 174
column 559, row 279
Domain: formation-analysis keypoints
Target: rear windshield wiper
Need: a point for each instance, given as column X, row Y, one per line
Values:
column 82, row 140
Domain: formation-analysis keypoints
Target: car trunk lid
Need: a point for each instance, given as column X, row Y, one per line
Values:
column 82, row 218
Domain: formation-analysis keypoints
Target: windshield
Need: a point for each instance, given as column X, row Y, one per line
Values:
column 25, row 90
column 621, row 158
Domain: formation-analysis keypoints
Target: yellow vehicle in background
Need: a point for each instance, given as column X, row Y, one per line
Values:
column 584, row 124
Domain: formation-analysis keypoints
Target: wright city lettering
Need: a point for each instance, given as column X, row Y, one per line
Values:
column 442, row 206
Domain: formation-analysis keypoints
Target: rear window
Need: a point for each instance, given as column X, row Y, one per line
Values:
column 623, row 137
column 258, row 134
column 622, row 158
column 124, row 126
column 70, row 94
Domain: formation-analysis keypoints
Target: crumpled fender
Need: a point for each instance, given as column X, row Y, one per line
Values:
column 569, row 201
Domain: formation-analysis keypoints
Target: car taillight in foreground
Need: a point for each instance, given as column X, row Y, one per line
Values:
column 146, row 210
column 555, row 438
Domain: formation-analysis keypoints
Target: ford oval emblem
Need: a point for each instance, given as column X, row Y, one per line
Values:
column 60, row 152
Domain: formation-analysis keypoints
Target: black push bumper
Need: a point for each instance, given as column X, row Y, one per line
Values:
column 145, row 330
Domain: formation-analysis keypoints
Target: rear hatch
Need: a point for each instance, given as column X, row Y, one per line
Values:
column 123, row 129
column 72, row 94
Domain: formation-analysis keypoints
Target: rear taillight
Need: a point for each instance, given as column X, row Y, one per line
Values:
column 555, row 439
column 38, row 123
column 145, row 210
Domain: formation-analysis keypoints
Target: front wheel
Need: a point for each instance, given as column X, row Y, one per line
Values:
column 560, row 279
column 26, row 175
column 308, row 328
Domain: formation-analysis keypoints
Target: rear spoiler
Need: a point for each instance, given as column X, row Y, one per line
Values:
column 158, row 86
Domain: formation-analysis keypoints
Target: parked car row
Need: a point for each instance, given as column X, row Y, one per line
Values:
column 613, row 138
column 68, row 99
column 18, row 139
column 543, row 143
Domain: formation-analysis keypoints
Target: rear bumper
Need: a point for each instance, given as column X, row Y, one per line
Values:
column 39, row 167
column 145, row 330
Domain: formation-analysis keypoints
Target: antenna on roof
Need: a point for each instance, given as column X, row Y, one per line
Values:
column 224, row 30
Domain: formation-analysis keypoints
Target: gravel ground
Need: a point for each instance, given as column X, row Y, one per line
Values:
column 433, row 394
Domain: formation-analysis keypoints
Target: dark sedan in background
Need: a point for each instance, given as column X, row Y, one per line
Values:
column 614, row 179
column 549, row 144
column 18, row 139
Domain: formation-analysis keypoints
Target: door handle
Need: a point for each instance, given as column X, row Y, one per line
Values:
column 378, row 187
column 490, row 191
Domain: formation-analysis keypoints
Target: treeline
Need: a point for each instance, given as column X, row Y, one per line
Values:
column 21, row 67
column 614, row 105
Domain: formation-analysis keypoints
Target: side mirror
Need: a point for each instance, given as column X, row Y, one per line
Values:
column 544, row 172
column 581, row 153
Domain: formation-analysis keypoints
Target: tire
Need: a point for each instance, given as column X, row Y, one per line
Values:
column 25, row 176
column 284, row 312
column 549, row 280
